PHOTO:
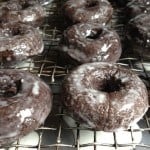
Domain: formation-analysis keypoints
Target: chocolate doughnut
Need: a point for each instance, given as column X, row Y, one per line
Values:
column 138, row 30
column 25, row 102
column 137, row 7
column 18, row 42
column 24, row 11
column 105, row 96
column 88, row 42
column 98, row 11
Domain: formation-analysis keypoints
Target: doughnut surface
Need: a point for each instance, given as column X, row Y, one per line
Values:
column 98, row 11
column 18, row 42
column 105, row 96
column 25, row 102
column 23, row 11
column 88, row 42
column 138, row 33
column 137, row 7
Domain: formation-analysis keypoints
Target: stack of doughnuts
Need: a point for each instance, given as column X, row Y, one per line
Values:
column 89, row 39
column 25, row 100
column 138, row 27
column 99, row 94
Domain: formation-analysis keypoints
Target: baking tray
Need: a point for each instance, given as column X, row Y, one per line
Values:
column 51, row 66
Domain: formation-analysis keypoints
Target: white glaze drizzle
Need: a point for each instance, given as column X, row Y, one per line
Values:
column 24, row 114
column 105, row 47
column 35, row 89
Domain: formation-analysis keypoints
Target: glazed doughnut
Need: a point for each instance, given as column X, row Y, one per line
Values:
column 138, row 33
column 18, row 42
column 98, row 11
column 24, row 11
column 105, row 96
column 137, row 7
column 88, row 42
column 25, row 102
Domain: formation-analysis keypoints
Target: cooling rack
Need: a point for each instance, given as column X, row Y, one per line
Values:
column 52, row 67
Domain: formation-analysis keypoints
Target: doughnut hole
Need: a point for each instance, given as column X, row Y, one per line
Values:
column 109, row 85
column 25, row 5
column 91, row 4
column 9, row 87
column 16, row 31
column 13, row 31
column 94, row 34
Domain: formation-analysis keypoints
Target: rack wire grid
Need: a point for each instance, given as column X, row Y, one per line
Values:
column 51, row 66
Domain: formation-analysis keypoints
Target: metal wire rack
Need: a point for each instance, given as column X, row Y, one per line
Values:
column 52, row 67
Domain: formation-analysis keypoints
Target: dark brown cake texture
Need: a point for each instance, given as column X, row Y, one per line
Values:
column 25, row 102
column 105, row 96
